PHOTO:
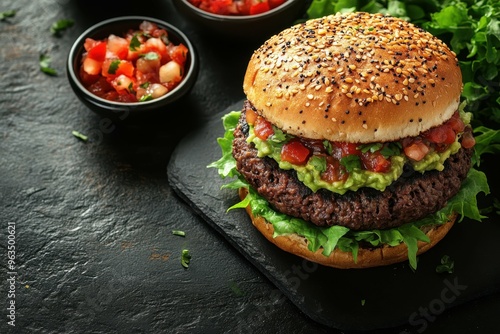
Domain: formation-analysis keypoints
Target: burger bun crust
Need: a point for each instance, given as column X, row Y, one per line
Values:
column 366, row 258
column 354, row 77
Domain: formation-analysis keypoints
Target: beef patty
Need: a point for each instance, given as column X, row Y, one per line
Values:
column 410, row 198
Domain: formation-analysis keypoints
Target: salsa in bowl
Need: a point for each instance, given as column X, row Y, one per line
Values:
column 131, row 64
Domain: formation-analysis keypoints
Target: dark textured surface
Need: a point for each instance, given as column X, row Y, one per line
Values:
column 94, row 249
column 315, row 289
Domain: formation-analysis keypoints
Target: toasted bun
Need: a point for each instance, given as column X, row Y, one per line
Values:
column 367, row 258
column 355, row 77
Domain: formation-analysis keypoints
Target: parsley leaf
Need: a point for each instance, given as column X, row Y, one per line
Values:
column 79, row 135
column 44, row 62
column 59, row 26
column 185, row 258
column 146, row 97
column 134, row 43
column 6, row 14
column 114, row 66
column 179, row 233
column 447, row 265
column 150, row 56
column 351, row 162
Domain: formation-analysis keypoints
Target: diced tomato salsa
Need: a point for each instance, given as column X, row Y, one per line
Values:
column 371, row 157
column 236, row 7
column 140, row 65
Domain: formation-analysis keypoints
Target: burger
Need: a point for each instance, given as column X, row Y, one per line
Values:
column 352, row 148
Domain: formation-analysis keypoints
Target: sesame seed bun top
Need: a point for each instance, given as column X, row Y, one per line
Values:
column 355, row 77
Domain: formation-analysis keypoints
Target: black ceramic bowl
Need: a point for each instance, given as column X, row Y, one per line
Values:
column 121, row 110
column 258, row 26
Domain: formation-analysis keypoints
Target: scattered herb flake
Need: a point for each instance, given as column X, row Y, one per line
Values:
column 185, row 258
column 135, row 43
column 151, row 56
column 179, row 233
column 6, row 14
column 44, row 62
column 79, row 135
column 146, row 97
column 447, row 265
column 59, row 26
column 236, row 289
column 114, row 66
column 363, row 301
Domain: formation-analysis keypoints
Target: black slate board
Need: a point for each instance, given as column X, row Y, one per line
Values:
column 344, row 299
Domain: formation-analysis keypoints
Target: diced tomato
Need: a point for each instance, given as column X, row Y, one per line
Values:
column 178, row 53
column 262, row 128
column 118, row 46
column 123, row 82
column 91, row 66
column 98, row 51
column 334, row 171
column 416, row 149
column 232, row 7
column 443, row 134
column 315, row 146
column 347, row 148
column 111, row 70
column 375, row 162
column 468, row 140
column 259, row 7
column 251, row 116
column 295, row 152
column 156, row 45
column 456, row 123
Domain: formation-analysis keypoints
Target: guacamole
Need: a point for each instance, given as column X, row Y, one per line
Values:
column 310, row 174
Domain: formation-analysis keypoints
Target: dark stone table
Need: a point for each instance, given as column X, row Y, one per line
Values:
column 94, row 249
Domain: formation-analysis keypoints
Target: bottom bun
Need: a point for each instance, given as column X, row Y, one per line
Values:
column 367, row 257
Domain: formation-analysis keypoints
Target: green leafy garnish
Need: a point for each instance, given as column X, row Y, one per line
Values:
column 464, row 204
column 351, row 162
column 44, row 62
column 447, row 265
column 79, row 135
column 146, row 97
column 179, row 233
column 6, row 14
column 135, row 43
column 185, row 258
column 145, row 85
column 114, row 66
column 59, row 26
column 150, row 56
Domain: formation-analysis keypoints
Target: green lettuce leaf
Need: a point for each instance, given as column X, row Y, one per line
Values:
column 330, row 238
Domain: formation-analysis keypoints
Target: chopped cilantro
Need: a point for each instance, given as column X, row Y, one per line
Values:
column 351, row 162
column 447, row 265
column 150, row 56
column 363, row 301
column 6, row 14
column 179, row 233
column 145, row 85
column 146, row 97
column 185, row 258
column 44, row 62
column 79, row 135
column 114, row 66
column 134, row 43
column 130, row 88
column 319, row 163
column 59, row 26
